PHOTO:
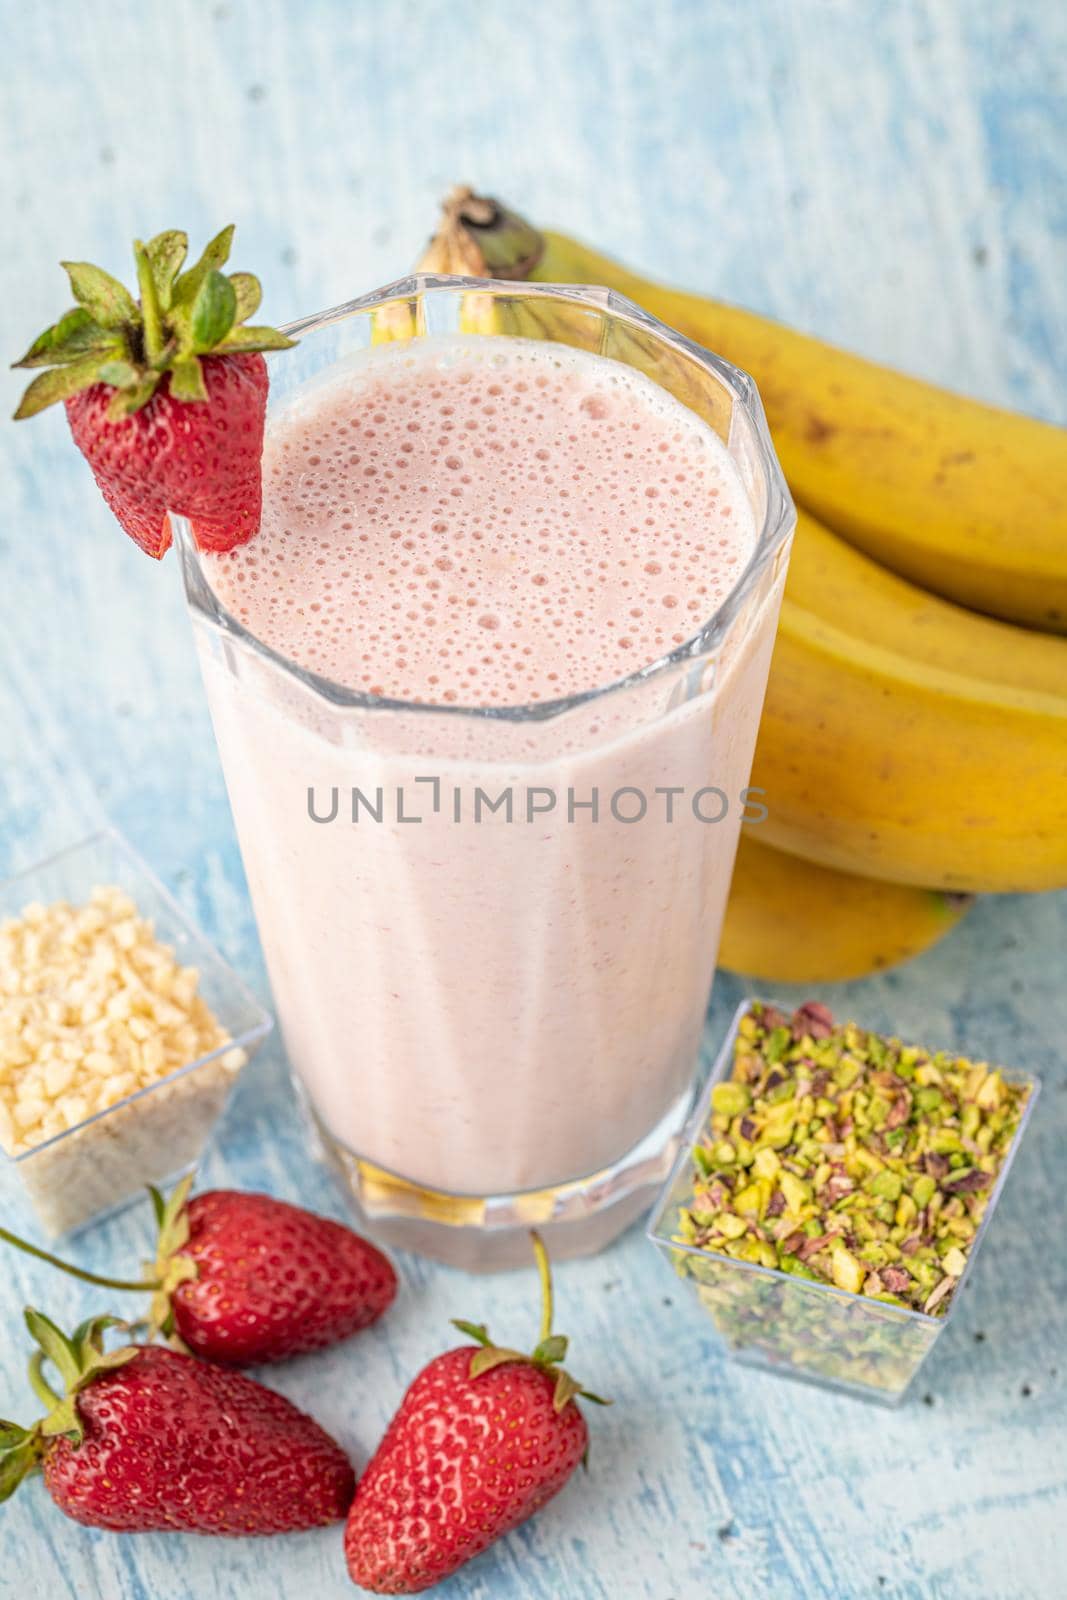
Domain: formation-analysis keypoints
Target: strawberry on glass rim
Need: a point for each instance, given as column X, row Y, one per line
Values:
column 166, row 396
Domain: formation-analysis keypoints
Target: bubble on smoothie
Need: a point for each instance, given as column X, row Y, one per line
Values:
column 483, row 522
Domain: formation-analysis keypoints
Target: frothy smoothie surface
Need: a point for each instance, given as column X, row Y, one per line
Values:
column 486, row 522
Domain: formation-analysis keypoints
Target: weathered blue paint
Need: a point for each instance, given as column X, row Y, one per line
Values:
column 891, row 176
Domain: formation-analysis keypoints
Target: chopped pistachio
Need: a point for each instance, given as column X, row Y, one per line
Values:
column 778, row 1042
column 797, row 1193
column 886, row 1185
column 846, row 1271
column 989, row 1095
column 954, row 1261
column 767, row 1163
column 877, row 1112
column 847, row 1159
column 730, row 1099
column 733, row 1227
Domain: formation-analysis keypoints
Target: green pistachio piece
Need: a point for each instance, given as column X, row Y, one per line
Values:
column 730, row 1099
column 766, row 1163
column 847, row 1272
column 878, row 1112
column 989, row 1095
column 924, row 1272
column 751, row 1198
column 877, row 1049
column 797, row 1193
column 847, row 1072
column 887, row 1185
column 777, row 1044
column 730, row 1226
column 703, row 1219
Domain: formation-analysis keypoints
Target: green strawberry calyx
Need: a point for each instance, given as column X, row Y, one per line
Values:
column 171, row 1267
column 547, row 1354
column 109, row 337
column 162, row 1277
column 79, row 1358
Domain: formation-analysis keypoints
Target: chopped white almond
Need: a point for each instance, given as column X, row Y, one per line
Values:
column 96, row 1008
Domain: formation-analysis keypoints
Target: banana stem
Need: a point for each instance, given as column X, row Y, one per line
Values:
column 483, row 239
column 142, row 1287
column 39, row 1383
column 150, row 308
column 545, row 1274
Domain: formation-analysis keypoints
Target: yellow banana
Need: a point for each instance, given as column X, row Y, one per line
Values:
column 789, row 921
column 880, row 763
column 969, row 500
column 907, row 738
column 832, row 580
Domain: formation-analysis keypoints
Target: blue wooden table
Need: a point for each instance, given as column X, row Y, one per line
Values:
column 889, row 175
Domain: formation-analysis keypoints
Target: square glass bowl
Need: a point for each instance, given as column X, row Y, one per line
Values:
column 157, row 1133
column 795, row 1326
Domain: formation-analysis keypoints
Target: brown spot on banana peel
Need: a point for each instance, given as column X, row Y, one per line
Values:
column 817, row 431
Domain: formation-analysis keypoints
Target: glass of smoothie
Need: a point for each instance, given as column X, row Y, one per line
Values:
column 486, row 687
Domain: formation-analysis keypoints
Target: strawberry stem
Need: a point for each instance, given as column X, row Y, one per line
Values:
column 77, row 1272
column 545, row 1274
column 150, row 307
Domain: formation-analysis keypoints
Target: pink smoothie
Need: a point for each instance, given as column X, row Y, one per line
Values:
column 483, row 1004
column 488, row 527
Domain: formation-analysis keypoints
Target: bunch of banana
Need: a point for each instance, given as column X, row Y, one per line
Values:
column 905, row 739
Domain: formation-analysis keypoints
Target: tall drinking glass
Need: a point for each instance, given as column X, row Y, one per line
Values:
column 491, row 931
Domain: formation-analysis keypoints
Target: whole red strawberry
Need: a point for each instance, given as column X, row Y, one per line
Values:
column 201, row 461
column 249, row 1279
column 244, row 1279
column 483, row 1438
column 166, row 397
column 146, row 1439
